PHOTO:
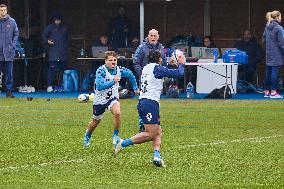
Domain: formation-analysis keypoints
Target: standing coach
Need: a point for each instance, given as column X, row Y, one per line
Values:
column 9, row 34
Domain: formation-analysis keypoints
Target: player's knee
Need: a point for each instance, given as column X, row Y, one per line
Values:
column 116, row 113
column 94, row 123
column 155, row 133
column 152, row 136
column 160, row 132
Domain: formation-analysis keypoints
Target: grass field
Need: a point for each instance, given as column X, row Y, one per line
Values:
column 206, row 144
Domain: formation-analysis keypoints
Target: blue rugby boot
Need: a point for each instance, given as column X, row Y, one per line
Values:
column 115, row 140
column 158, row 161
column 87, row 138
column 141, row 125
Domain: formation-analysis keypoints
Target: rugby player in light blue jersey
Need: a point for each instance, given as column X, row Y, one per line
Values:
column 148, row 106
column 107, row 96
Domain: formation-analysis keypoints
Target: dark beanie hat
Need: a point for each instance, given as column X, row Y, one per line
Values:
column 57, row 16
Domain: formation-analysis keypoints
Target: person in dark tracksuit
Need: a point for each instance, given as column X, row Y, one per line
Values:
column 142, row 52
column 9, row 34
column 273, row 38
column 57, row 37
column 254, row 51
column 120, row 29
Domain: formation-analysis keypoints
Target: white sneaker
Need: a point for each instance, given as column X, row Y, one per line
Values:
column 275, row 95
column 49, row 89
column 24, row 89
column 118, row 147
column 159, row 162
column 266, row 94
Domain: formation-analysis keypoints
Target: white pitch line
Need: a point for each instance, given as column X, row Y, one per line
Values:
column 41, row 164
column 7, row 106
column 257, row 139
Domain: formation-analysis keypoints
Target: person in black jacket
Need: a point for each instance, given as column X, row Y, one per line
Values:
column 208, row 42
column 254, row 51
column 120, row 29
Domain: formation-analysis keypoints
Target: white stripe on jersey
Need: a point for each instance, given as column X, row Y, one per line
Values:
column 102, row 97
column 151, row 87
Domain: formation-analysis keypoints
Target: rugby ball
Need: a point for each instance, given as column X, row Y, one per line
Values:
column 83, row 98
column 176, row 55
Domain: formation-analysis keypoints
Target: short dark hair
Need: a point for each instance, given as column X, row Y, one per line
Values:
column 247, row 30
column 3, row 5
column 103, row 35
column 208, row 37
column 154, row 56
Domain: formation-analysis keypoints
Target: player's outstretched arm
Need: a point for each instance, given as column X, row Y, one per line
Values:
column 128, row 74
column 161, row 71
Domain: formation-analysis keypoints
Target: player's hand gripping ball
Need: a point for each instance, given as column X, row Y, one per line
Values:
column 177, row 57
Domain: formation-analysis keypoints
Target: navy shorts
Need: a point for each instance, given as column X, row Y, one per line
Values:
column 99, row 110
column 149, row 111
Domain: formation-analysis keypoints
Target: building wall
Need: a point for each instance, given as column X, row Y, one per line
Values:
column 88, row 19
column 230, row 18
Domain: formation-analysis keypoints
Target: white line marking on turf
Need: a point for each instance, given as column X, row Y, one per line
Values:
column 39, row 181
column 7, row 106
column 256, row 139
column 40, row 164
